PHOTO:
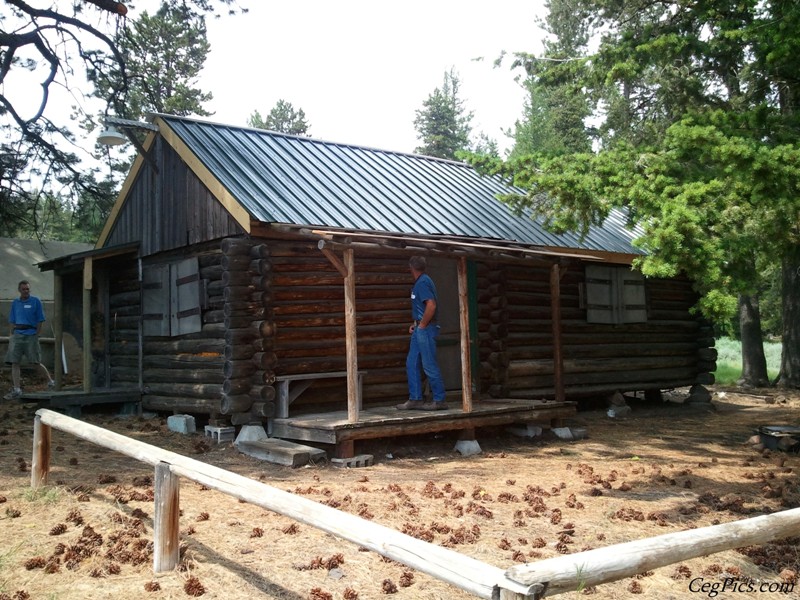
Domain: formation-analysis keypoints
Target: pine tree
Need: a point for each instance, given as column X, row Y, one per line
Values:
column 442, row 124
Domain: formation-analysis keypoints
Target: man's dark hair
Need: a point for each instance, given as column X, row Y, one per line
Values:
column 418, row 263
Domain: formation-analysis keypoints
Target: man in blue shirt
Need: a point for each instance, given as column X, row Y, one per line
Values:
column 422, row 349
column 26, row 318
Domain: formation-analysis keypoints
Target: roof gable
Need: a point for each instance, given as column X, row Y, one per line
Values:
column 278, row 178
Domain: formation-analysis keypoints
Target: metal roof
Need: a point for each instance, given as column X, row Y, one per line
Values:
column 293, row 180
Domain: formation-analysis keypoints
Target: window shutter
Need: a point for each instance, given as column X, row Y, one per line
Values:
column 155, row 300
column 185, row 297
column 600, row 298
column 634, row 298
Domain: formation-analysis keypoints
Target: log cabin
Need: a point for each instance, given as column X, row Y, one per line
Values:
column 252, row 276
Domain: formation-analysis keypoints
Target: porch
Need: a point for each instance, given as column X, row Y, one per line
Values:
column 333, row 427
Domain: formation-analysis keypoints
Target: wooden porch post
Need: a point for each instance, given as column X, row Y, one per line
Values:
column 87, row 324
column 58, row 329
column 555, row 311
column 348, row 271
column 353, row 398
column 466, row 362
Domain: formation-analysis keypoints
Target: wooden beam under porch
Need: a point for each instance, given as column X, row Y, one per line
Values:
column 333, row 427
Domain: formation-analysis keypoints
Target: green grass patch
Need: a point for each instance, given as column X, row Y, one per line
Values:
column 729, row 360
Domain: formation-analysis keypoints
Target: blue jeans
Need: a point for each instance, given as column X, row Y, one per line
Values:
column 422, row 357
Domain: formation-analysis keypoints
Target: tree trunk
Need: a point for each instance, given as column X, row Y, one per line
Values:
column 790, row 356
column 754, row 362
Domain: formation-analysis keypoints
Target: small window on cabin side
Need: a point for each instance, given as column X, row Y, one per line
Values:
column 614, row 295
column 171, row 298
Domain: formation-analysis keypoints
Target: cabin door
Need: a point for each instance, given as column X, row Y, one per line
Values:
column 448, row 348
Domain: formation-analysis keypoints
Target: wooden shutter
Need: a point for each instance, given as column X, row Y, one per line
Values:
column 600, row 296
column 185, row 297
column 155, row 300
column 615, row 295
column 633, row 306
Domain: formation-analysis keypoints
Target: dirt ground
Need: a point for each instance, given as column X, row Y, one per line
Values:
column 664, row 468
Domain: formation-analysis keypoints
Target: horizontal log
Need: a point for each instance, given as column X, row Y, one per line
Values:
column 133, row 298
column 261, row 282
column 238, row 292
column 524, row 368
column 263, row 393
column 263, row 344
column 263, row 378
column 241, row 336
column 237, row 278
column 265, row 360
column 201, row 360
column 235, row 387
column 399, row 304
column 260, row 251
column 240, row 322
column 564, row 574
column 180, row 404
column 708, row 354
column 236, row 262
column 333, row 292
column 195, row 346
column 267, row 329
column 261, row 266
column 213, row 316
column 210, row 391
column 239, row 352
column 245, row 418
column 180, row 376
column 211, row 272
column 256, row 312
column 334, row 277
column 263, row 409
column 233, row 404
column 236, row 246
column 238, row 369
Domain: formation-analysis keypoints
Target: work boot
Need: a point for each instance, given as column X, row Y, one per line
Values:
column 411, row 405
column 442, row 405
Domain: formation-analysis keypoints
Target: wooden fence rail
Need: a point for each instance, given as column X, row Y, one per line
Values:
column 469, row 574
column 520, row 582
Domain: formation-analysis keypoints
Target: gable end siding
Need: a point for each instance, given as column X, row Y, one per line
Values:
column 169, row 209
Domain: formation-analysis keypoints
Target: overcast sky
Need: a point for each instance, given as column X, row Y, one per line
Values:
column 361, row 68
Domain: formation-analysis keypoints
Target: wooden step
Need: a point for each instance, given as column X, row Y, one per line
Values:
column 282, row 452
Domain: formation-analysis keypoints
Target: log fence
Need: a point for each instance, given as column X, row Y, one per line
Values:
column 529, row 581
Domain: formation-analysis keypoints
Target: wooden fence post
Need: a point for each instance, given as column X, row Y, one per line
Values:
column 166, row 550
column 40, row 462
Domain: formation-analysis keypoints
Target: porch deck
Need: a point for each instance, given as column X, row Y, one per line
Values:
column 71, row 401
column 386, row 421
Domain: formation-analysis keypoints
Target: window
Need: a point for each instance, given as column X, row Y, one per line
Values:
column 615, row 295
column 171, row 298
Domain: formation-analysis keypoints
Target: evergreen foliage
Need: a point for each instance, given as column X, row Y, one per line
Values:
column 283, row 118
column 443, row 123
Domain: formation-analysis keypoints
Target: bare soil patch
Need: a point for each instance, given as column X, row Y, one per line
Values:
column 665, row 468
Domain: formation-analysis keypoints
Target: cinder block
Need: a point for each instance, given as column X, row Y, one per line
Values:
column 362, row 460
column 181, row 424
column 467, row 447
column 220, row 434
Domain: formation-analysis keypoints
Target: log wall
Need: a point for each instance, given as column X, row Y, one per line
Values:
column 275, row 307
column 308, row 305
column 672, row 349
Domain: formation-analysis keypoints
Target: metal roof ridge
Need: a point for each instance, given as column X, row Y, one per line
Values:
column 303, row 138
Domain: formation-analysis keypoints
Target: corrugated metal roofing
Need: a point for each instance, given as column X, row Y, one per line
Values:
column 293, row 180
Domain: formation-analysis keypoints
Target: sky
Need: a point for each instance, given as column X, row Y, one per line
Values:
column 360, row 69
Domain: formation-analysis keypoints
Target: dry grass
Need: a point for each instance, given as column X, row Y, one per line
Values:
column 664, row 469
